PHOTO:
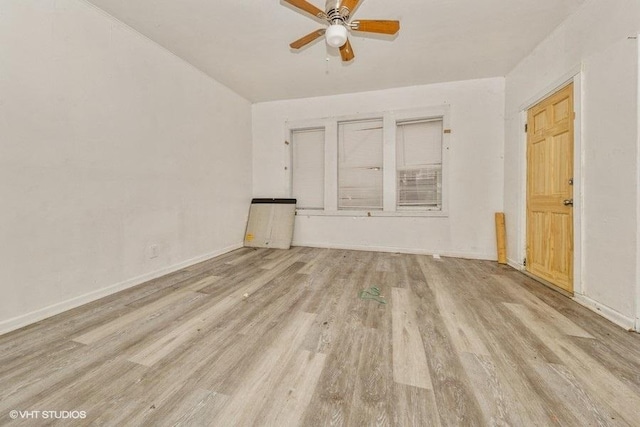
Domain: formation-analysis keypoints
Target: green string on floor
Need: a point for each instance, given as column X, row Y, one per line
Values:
column 372, row 293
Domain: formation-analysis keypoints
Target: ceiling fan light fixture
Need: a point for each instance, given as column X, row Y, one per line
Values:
column 337, row 15
column 336, row 35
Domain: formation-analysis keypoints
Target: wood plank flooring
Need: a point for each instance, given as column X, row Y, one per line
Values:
column 459, row 342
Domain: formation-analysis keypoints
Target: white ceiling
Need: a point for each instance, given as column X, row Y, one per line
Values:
column 244, row 44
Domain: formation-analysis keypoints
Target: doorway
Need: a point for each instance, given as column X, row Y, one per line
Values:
column 550, row 145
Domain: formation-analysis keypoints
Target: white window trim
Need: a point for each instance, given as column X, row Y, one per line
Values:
column 377, row 119
column 291, row 170
column 400, row 121
column 390, row 120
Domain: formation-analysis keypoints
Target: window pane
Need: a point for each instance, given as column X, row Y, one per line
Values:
column 308, row 168
column 419, row 164
column 360, row 165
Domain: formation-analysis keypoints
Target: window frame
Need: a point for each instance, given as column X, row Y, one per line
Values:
column 369, row 120
column 390, row 121
column 400, row 122
column 291, row 168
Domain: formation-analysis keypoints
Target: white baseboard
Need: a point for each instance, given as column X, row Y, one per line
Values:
column 467, row 255
column 606, row 312
column 601, row 309
column 515, row 264
column 49, row 311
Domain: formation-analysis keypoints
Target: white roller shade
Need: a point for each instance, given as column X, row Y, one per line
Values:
column 308, row 168
column 360, row 165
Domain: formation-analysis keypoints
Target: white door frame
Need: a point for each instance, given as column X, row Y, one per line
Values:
column 574, row 76
column 637, row 300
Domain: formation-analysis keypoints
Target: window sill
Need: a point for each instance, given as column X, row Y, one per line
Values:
column 365, row 214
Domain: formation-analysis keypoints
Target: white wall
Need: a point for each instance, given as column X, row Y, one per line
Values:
column 597, row 40
column 475, row 169
column 108, row 145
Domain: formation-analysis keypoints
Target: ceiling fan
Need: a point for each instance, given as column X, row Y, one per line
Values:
column 338, row 15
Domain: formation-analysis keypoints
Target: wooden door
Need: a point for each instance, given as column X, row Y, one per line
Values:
column 550, row 189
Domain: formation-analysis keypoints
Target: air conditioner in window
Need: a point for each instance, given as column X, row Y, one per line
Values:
column 420, row 187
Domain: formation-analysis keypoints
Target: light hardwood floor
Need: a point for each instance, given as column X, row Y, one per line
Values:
column 460, row 342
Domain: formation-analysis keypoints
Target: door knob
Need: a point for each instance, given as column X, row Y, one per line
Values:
column 568, row 202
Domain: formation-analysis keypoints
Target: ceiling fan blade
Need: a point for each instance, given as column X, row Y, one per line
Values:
column 349, row 4
column 303, row 41
column 346, row 52
column 307, row 7
column 376, row 26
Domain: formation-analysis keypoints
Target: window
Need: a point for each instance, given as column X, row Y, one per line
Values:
column 391, row 163
column 419, row 164
column 308, row 167
column 360, row 165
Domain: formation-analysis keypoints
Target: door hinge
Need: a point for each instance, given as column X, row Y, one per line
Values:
column 526, row 128
column 524, row 262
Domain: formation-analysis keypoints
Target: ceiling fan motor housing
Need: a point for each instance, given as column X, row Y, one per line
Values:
column 337, row 16
column 336, row 5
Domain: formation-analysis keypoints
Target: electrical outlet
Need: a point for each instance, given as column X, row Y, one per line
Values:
column 154, row 251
